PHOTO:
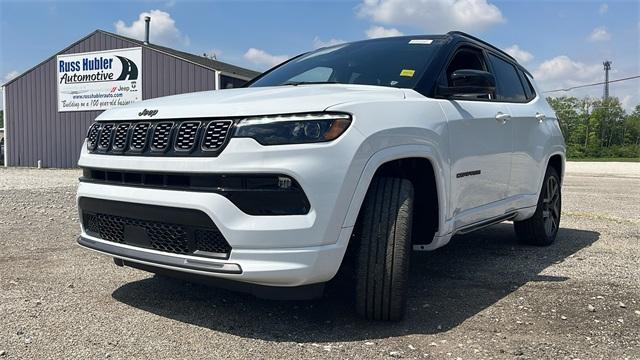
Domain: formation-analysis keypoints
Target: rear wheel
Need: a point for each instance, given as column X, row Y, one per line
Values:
column 541, row 229
column 382, row 263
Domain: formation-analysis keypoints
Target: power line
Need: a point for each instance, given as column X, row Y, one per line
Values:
column 594, row 84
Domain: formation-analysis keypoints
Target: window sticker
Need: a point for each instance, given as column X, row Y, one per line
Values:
column 407, row 72
column 421, row 41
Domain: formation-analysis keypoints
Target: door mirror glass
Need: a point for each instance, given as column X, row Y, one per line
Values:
column 469, row 83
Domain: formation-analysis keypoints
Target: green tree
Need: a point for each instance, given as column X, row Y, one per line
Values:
column 597, row 127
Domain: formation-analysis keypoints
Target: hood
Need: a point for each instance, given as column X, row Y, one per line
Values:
column 252, row 101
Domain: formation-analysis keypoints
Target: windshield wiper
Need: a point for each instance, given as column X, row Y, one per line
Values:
column 296, row 83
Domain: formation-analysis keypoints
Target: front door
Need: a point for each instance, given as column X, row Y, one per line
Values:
column 480, row 153
column 480, row 144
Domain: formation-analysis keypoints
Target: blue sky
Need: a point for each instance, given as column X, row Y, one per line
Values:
column 562, row 42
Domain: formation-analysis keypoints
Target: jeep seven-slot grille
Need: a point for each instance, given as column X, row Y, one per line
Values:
column 215, row 134
column 139, row 136
column 92, row 136
column 157, row 235
column 168, row 138
column 161, row 136
column 105, row 137
column 186, row 137
column 120, row 137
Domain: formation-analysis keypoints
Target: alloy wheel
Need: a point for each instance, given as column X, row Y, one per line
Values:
column 551, row 206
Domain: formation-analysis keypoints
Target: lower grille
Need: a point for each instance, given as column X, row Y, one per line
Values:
column 184, row 239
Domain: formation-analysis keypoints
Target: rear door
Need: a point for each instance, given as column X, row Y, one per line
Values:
column 480, row 144
column 527, row 124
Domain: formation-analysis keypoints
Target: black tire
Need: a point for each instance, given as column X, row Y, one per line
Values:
column 382, row 262
column 542, row 228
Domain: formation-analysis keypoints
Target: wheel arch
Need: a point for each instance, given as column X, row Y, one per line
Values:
column 396, row 160
column 557, row 161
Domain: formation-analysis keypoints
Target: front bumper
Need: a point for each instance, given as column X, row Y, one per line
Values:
column 266, row 250
column 282, row 250
column 282, row 267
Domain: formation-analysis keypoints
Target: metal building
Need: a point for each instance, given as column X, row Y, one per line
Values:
column 37, row 129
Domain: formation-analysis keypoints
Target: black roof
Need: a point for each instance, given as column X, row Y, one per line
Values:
column 478, row 40
column 481, row 42
column 225, row 68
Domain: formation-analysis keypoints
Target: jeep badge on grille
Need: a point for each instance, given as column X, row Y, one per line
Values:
column 148, row 113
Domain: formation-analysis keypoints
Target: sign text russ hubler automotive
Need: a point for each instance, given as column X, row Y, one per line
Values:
column 99, row 80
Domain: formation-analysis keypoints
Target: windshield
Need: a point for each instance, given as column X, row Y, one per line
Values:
column 394, row 62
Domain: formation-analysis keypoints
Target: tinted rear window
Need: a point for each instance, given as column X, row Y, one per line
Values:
column 528, row 87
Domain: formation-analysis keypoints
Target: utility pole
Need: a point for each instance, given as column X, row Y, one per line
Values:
column 605, row 102
column 607, row 67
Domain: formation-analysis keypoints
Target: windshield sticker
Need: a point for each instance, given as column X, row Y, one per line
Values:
column 421, row 41
column 407, row 72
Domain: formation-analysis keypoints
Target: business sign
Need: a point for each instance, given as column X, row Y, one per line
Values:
column 99, row 80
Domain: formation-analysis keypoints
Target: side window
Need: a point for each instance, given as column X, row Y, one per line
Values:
column 507, row 80
column 528, row 87
column 466, row 58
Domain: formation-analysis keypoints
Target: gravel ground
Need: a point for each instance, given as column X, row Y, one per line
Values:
column 481, row 297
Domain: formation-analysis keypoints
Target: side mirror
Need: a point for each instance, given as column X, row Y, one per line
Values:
column 469, row 83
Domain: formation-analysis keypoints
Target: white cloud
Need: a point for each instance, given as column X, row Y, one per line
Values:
column 319, row 43
column 603, row 9
column 162, row 30
column 380, row 32
column 263, row 58
column 521, row 55
column 434, row 15
column 11, row 75
column 563, row 72
column 599, row 34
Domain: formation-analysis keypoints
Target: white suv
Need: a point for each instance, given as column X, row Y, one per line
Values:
column 358, row 152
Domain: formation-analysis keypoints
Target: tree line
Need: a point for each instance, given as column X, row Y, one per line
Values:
column 598, row 128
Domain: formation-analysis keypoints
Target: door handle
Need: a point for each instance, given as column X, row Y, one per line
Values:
column 540, row 116
column 502, row 117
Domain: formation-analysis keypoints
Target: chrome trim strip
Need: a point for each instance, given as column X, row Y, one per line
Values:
column 158, row 258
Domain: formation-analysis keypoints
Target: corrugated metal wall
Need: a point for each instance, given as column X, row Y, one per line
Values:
column 37, row 131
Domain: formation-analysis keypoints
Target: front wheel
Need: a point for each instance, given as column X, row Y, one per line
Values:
column 382, row 263
column 542, row 228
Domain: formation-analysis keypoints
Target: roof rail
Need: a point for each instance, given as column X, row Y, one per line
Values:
column 464, row 34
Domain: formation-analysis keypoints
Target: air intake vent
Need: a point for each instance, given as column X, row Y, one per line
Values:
column 92, row 136
column 139, row 136
column 105, row 137
column 120, row 137
column 187, row 134
column 161, row 136
column 166, row 229
column 215, row 134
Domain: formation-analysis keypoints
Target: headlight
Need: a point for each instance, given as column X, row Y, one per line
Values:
column 293, row 129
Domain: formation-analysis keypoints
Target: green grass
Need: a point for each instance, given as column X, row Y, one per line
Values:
column 606, row 159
